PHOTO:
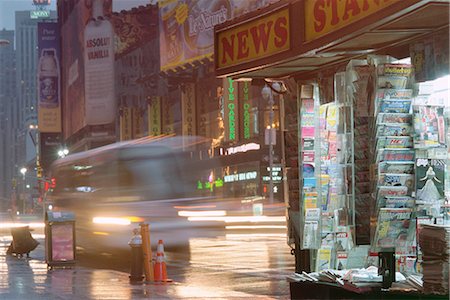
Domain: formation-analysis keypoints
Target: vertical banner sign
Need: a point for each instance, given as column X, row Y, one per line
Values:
column 202, row 99
column 99, row 68
column 188, row 109
column 48, row 78
column 154, row 116
column 137, row 119
column 231, row 109
column 167, row 116
column 244, row 96
column 125, row 124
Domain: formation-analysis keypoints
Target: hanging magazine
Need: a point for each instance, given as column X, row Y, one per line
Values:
column 430, row 180
column 394, row 106
column 394, row 142
column 395, row 129
column 383, row 118
column 429, row 127
column 392, row 228
column 391, row 179
column 395, row 155
column 396, row 167
column 396, row 202
column 394, row 94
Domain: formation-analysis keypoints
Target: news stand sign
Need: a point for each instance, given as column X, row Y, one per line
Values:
column 40, row 12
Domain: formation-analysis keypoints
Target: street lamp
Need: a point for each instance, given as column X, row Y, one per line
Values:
column 23, row 171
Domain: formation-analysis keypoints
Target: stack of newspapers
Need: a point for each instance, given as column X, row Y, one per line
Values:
column 434, row 242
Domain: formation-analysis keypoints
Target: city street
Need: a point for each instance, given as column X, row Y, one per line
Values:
column 235, row 265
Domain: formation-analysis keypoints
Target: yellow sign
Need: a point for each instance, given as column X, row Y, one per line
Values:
column 154, row 116
column 256, row 39
column 325, row 16
column 125, row 124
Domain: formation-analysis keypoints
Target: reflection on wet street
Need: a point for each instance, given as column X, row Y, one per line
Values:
column 229, row 266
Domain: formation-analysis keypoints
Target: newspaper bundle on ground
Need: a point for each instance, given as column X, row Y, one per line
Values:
column 435, row 245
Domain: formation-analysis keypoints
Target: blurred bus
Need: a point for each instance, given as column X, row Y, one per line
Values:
column 113, row 188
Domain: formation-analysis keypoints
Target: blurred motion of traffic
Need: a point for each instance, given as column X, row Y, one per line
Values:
column 111, row 110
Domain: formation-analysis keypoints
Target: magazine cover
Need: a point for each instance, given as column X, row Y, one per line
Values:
column 399, row 202
column 395, row 155
column 394, row 142
column 396, row 129
column 341, row 260
column 390, row 179
column 342, row 241
column 392, row 82
column 323, row 259
column 308, row 157
column 394, row 106
column 392, row 228
column 394, row 69
column 308, row 144
column 308, row 170
column 394, row 94
column 429, row 128
column 383, row 118
column 386, row 191
column 430, row 180
column 396, row 167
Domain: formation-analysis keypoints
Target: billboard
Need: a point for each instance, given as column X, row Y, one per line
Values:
column 49, row 78
column 187, row 27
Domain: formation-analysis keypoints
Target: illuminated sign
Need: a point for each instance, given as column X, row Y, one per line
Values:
column 231, row 111
column 276, row 174
column 325, row 16
column 240, row 176
column 255, row 39
column 209, row 185
column 243, row 148
column 39, row 14
column 246, row 110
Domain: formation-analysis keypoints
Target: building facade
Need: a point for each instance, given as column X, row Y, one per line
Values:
column 7, row 126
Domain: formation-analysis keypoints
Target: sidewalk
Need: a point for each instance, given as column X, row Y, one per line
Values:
column 30, row 279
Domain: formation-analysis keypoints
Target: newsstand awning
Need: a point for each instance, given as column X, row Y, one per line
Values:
column 302, row 36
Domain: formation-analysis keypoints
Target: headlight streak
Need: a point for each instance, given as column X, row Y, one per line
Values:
column 206, row 213
column 239, row 219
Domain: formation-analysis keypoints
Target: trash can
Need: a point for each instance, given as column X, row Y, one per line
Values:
column 60, row 238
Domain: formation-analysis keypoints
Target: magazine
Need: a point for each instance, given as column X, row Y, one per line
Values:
column 394, row 94
column 402, row 167
column 391, row 179
column 392, row 229
column 394, row 106
column 430, row 180
column 396, row 129
column 323, row 259
column 383, row 118
column 342, row 241
column 341, row 260
column 429, row 128
column 387, row 191
column 392, row 82
column 394, row 69
column 308, row 144
column 394, row 142
column 399, row 154
column 399, row 202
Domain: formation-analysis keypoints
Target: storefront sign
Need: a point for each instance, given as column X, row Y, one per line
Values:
column 325, row 16
column 240, row 176
column 154, row 116
column 39, row 14
column 49, row 78
column 188, row 109
column 243, row 148
column 258, row 38
column 167, row 116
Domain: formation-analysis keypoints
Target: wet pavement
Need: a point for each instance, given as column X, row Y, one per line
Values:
column 235, row 266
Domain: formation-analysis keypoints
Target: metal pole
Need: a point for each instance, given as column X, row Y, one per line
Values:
column 271, row 148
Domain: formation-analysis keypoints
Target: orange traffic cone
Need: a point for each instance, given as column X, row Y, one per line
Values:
column 160, row 269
